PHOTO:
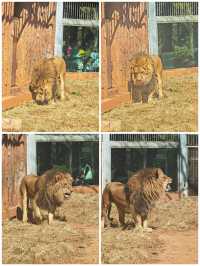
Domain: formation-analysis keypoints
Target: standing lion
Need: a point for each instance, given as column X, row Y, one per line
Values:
column 46, row 192
column 137, row 197
column 47, row 80
column 146, row 77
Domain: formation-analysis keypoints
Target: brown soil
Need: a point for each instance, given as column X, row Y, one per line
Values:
column 74, row 241
column 79, row 113
column 175, row 112
column 173, row 240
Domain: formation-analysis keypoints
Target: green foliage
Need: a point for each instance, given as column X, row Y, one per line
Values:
column 183, row 54
column 185, row 8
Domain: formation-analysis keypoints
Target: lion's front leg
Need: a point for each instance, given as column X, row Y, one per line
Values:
column 160, row 89
column 62, row 86
column 138, row 222
column 50, row 217
column 145, row 225
column 36, row 209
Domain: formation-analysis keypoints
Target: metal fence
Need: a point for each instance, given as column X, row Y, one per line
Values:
column 81, row 10
column 144, row 137
column 176, row 8
column 192, row 140
column 192, row 144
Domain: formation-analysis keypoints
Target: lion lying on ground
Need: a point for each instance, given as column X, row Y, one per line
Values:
column 47, row 80
column 137, row 197
column 146, row 78
column 46, row 192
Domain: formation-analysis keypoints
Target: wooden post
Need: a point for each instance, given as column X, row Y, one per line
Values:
column 152, row 29
column 31, row 155
column 106, row 160
column 59, row 29
column 183, row 166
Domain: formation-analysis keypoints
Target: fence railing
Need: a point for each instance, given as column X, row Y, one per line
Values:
column 81, row 10
column 192, row 140
column 144, row 137
column 176, row 8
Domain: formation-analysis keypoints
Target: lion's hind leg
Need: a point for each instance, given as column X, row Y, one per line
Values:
column 106, row 215
column 24, row 205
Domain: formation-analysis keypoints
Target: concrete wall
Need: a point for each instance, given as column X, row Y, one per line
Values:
column 124, row 34
column 28, row 35
column 13, row 170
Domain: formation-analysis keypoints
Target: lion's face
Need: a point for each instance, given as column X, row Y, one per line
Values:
column 166, row 181
column 63, row 188
column 42, row 92
column 141, row 70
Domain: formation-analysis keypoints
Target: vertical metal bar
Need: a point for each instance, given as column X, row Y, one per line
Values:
column 183, row 175
column 59, row 29
column 152, row 30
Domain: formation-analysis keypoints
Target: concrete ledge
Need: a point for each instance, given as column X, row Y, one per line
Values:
column 14, row 101
column 110, row 103
column 81, row 75
column 86, row 189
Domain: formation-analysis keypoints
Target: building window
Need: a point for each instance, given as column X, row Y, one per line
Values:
column 178, row 44
column 81, row 36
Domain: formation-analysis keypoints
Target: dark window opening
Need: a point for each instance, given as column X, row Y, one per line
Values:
column 81, row 48
column 193, row 170
column 178, row 44
column 69, row 156
column 125, row 161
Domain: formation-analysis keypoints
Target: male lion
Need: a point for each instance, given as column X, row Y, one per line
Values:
column 146, row 77
column 137, row 197
column 46, row 192
column 47, row 81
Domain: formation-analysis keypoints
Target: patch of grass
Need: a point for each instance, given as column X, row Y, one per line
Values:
column 129, row 246
column 70, row 242
column 176, row 112
column 79, row 113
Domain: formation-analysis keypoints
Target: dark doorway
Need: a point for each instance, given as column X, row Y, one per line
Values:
column 125, row 161
column 69, row 156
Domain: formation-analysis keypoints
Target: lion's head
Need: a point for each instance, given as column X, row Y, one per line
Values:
column 42, row 91
column 141, row 70
column 59, row 187
column 151, row 183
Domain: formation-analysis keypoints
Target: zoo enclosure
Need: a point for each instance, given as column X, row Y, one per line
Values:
column 34, row 154
column 176, row 154
column 168, row 29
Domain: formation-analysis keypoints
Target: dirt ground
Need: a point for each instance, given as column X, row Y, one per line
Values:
column 176, row 112
column 79, row 113
column 173, row 240
column 74, row 241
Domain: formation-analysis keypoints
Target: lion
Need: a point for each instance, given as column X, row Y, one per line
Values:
column 137, row 197
column 146, row 77
column 47, row 192
column 47, row 80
